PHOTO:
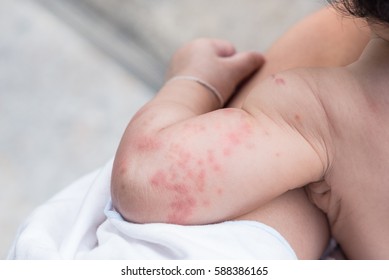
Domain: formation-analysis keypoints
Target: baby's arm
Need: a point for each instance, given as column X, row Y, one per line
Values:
column 182, row 161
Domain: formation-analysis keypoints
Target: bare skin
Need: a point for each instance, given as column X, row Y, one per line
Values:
column 354, row 193
column 189, row 179
column 307, row 134
column 323, row 39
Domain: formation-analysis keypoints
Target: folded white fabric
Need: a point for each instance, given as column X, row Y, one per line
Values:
column 74, row 225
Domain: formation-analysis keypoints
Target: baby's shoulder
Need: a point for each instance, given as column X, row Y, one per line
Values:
column 298, row 85
column 318, row 81
column 294, row 95
column 292, row 99
column 318, row 93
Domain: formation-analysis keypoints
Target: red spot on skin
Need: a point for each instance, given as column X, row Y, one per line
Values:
column 237, row 136
column 159, row 179
column 201, row 176
column 183, row 183
column 227, row 152
column 184, row 159
column 246, row 128
column 234, row 138
column 219, row 191
column 199, row 180
column 147, row 144
column 210, row 156
column 190, row 174
column 279, row 81
column 297, row 117
column 181, row 209
column 182, row 202
column 213, row 164
column 173, row 175
column 179, row 188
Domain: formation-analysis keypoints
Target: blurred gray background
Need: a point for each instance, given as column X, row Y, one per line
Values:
column 73, row 72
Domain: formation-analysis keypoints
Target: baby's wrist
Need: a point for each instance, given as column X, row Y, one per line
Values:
column 210, row 88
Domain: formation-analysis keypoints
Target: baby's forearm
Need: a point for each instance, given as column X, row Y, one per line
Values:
column 179, row 100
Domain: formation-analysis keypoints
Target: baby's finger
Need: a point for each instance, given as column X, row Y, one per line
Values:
column 246, row 63
column 223, row 48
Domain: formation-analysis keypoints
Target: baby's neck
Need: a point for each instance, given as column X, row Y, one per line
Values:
column 374, row 60
column 371, row 71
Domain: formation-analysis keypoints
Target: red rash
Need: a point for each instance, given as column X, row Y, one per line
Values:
column 184, row 180
column 181, row 208
column 237, row 137
column 147, row 144
column 159, row 179
column 211, row 157
column 226, row 152
column 183, row 201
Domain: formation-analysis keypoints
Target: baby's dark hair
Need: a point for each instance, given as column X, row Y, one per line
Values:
column 374, row 10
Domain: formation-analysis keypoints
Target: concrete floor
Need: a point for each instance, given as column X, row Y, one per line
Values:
column 71, row 79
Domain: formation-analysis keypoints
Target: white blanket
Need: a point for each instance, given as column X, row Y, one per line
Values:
column 78, row 223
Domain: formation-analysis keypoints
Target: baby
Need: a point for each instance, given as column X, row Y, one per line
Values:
column 184, row 160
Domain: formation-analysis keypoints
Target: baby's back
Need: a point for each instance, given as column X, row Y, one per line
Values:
column 355, row 192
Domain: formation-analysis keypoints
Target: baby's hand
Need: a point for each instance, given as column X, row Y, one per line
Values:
column 215, row 62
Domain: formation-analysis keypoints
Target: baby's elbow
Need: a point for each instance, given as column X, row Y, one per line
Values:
column 143, row 198
column 131, row 193
column 149, row 184
column 132, row 198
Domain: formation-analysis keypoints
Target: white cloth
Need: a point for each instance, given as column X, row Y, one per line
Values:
column 74, row 225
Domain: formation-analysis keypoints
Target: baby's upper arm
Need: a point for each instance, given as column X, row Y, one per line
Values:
column 292, row 101
column 215, row 166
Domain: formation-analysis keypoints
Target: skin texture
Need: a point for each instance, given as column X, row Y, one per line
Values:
column 194, row 178
column 354, row 192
